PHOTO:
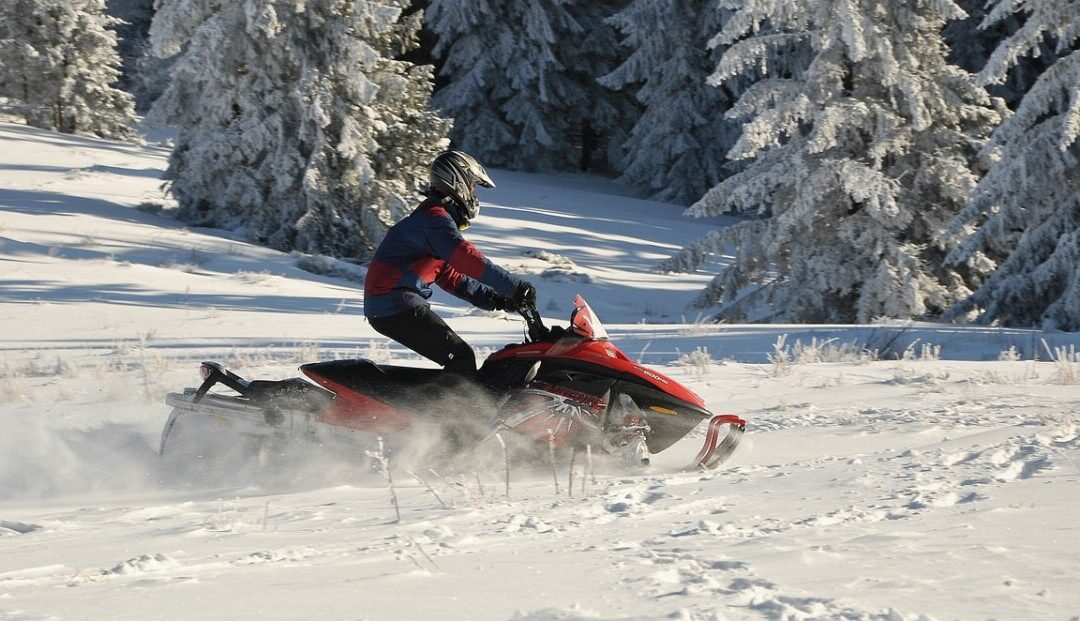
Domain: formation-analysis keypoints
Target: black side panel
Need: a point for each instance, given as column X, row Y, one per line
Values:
column 289, row 394
column 416, row 389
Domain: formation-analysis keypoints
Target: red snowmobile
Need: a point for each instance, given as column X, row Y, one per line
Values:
column 562, row 389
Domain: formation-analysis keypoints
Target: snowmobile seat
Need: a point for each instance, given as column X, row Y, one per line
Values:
column 394, row 385
column 365, row 375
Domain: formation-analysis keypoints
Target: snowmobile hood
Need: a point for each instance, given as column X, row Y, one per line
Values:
column 604, row 354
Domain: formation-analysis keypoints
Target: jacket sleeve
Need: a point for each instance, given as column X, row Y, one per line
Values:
column 445, row 242
column 468, row 289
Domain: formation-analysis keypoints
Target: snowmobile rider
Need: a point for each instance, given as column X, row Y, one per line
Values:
column 427, row 247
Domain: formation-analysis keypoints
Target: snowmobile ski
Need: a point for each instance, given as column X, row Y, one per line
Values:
column 716, row 451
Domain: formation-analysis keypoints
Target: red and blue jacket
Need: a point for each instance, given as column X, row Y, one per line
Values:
column 427, row 247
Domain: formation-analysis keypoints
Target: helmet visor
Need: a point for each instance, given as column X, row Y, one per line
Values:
column 482, row 177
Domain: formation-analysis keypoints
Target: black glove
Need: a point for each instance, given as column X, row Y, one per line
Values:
column 525, row 295
column 503, row 302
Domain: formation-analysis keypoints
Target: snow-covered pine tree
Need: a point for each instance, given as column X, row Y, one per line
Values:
column 678, row 148
column 411, row 135
column 522, row 77
column 1022, row 225
column 143, row 75
column 593, row 52
column 296, row 127
column 972, row 40
column 60, row 62
column 131, row 33
column 860, row 163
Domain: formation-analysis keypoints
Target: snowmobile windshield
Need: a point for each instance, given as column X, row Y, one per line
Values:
column 584, row 322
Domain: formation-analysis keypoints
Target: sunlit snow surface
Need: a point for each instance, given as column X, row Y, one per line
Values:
column 899, row 489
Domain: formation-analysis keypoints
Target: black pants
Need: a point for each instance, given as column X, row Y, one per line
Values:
column 427, row 334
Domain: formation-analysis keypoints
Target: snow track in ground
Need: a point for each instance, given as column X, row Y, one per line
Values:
column 863, row 512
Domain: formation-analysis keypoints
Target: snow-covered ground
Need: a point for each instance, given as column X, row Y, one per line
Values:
column 934, row 482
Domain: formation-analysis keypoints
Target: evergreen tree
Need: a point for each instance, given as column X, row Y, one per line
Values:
column 677, row 149
column 522, row 77
column 594, row 52
column 59, row 60
column 142, row 74
column 972, row 40
column 132, row 31
column 1021, row 227
column 411, row 134
column 295, row 124
column 861, row 161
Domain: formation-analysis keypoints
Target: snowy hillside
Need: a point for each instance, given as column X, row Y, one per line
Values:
column 890, row 471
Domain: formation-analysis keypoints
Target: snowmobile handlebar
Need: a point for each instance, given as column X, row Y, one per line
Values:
column 537, row 330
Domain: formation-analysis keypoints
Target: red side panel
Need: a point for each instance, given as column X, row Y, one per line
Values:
column 358, row 411
column 605, row 354
column 528, row 350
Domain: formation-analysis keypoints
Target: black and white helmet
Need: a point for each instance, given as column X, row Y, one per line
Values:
column 457, row 174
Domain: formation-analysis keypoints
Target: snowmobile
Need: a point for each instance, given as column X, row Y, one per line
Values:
column 561, row 389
